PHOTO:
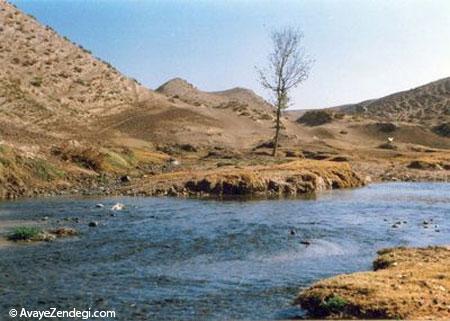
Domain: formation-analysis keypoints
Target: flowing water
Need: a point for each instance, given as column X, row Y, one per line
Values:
column 177, row 259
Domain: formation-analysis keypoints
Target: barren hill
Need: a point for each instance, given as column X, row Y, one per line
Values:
column 65, row 113
column 52, row 88
column 242, row 101
column 50, row 85
column 428, row 104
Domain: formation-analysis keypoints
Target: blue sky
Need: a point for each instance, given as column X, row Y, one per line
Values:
column 363, row 49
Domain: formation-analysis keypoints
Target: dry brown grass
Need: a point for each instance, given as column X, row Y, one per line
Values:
column 298, row 177
column 408, row 283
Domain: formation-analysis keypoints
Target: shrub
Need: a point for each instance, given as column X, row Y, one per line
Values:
column 88, row 158
column 315, row 118
column 388, row 146
column 386, row 127
column 339, row 115
column 443, row 129
column 334, row 304
column 266, row 144
column 36, row 82
column 24, row 233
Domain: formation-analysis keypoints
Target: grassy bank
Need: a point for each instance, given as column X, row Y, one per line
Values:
column 407, row 283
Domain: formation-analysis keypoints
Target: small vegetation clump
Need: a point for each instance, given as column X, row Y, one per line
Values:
column 315, row 118
column 386, row 127
column 442, row 129
column 36, row 82
column 43, row 169
column 334, row 304
column 23, row 233
column 88, row 157
column 387, row 146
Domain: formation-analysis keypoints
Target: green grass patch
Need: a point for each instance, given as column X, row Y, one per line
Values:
column 44, row 170
column 23, row 233
column 119, row 161
column 334, row 304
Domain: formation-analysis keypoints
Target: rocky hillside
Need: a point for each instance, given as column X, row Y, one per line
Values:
column 428, row 104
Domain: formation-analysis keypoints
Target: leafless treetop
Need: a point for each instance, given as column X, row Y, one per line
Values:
column 288, row 64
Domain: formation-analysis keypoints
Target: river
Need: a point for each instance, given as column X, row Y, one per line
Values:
column 188, row 259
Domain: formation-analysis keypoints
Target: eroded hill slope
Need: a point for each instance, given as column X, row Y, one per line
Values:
column 428, row 104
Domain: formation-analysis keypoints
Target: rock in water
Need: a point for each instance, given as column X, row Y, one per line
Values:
column 118, row 207
column 45, row 236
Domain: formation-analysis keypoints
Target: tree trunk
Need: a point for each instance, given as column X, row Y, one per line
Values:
column 277, row 132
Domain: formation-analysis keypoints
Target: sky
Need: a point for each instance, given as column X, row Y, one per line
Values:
column 362, row 49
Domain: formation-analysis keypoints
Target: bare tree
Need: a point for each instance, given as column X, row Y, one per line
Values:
column 288, row 67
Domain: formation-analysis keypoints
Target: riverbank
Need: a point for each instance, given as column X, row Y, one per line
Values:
column 407, row 283
column 288, row 179
column 137, row 172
